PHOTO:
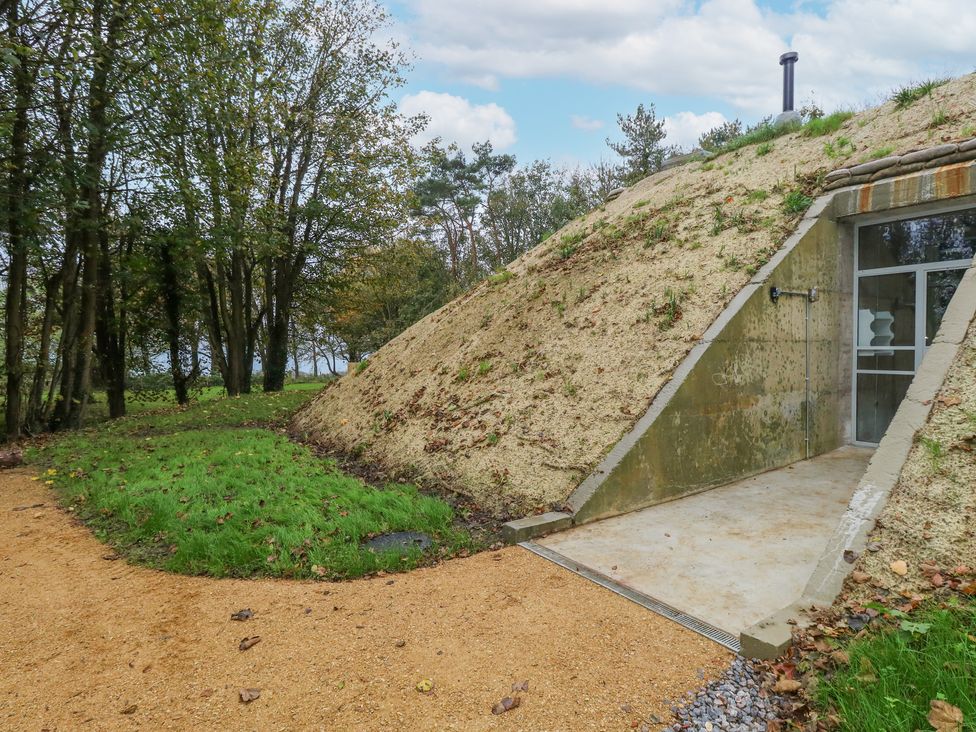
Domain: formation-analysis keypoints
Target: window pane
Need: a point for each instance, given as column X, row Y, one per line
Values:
column 886, row 310
column 939, row 238
column 886, row 360
column 939, row 289
column 878, row 397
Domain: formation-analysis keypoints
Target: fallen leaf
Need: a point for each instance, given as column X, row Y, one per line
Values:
column 245, row 614
column 841, row 657
column 400, row 643
column 850, row 556
column 899, row 567
column 249, row 642
column 130, row 709
column 506, row 704
column 937, row 580
column 249, row 695
column 944, row 717
column 521, row 686
column 787, row 686
column 425, row 686
column 860, row 577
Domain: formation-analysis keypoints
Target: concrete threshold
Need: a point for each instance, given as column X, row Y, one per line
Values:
column 726, row 558
column 692, row 623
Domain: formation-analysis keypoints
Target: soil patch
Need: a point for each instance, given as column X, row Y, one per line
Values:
column 93, row 642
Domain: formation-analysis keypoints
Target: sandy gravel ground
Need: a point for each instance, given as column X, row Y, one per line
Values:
column 94, row 643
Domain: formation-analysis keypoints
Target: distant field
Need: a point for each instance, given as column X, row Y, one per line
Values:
column 219, row 489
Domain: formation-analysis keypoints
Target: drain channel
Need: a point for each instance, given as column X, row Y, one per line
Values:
column 702, row 628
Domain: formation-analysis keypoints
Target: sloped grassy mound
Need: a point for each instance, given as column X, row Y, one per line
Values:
column 513, row 392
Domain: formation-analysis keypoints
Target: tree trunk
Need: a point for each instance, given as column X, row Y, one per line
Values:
column 109, row 333
column 173, row 307
column 35, row 404
column 18, row 185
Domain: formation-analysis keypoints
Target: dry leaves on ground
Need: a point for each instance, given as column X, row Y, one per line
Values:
column 249, row 642
column 506, row 704
column 945, row 717
column 249, row 695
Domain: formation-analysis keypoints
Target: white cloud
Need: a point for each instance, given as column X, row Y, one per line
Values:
column 455, row 119
column 684, row 128
column 727, row 49
column 587, row 124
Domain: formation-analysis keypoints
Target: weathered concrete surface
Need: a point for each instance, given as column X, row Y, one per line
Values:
column 736, row 406
column 730, row 557
column 530, row 527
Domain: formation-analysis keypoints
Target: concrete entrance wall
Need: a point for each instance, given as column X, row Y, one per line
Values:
column 735, row 406
column 740, row 407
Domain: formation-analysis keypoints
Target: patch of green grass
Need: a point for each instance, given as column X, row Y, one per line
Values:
column 484, row 367
column 463, row 374
column 877, row 154
column 907, row 95
column 842, row 147
column 212, row 490
column 660, row 231
column 568, row 244
column 826, row 125
column 764, row 132
column 764, row 149
column 897, row 670
column 757, row 196
column 934, row 449
column 796, row 202
column 669, row 312
column 362, row 366
column 968, row 131
column 500, row 278
column 940, row 118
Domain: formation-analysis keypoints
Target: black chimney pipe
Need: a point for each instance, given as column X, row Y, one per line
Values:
column 788, row 61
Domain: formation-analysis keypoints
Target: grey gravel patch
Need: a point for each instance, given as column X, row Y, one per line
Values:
column 401, row 541
column 734, row 702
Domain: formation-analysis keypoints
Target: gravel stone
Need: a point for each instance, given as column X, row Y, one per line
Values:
column 731, row 702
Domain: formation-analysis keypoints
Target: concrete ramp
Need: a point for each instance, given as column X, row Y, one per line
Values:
column 726, row 558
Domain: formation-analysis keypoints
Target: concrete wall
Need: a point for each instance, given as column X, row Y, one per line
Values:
column 740, row 408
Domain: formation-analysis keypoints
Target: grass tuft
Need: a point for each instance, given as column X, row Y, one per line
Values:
column 907, row 95
column 826, row 125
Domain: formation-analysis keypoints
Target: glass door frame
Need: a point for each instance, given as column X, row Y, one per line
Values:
column 921, row 272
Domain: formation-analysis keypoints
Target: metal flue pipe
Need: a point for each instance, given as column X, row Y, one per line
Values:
column 788, row 61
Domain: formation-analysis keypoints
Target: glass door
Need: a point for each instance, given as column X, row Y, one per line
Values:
column 906, row 273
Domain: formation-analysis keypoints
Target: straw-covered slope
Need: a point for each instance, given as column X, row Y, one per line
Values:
column 513, row 392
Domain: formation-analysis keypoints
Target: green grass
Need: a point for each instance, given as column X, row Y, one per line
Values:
column 796, row 202
column 764, row 149
column 762, row 133
column 895, row 672
column 215, row 489
column 877, row 154
column 907, row 95
column 826, row 125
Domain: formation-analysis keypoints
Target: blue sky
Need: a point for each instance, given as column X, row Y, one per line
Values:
column 545, row 78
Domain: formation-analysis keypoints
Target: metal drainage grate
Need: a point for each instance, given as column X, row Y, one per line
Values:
column 702, row 628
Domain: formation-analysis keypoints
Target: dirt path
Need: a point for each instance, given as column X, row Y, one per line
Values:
column 91, row 643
